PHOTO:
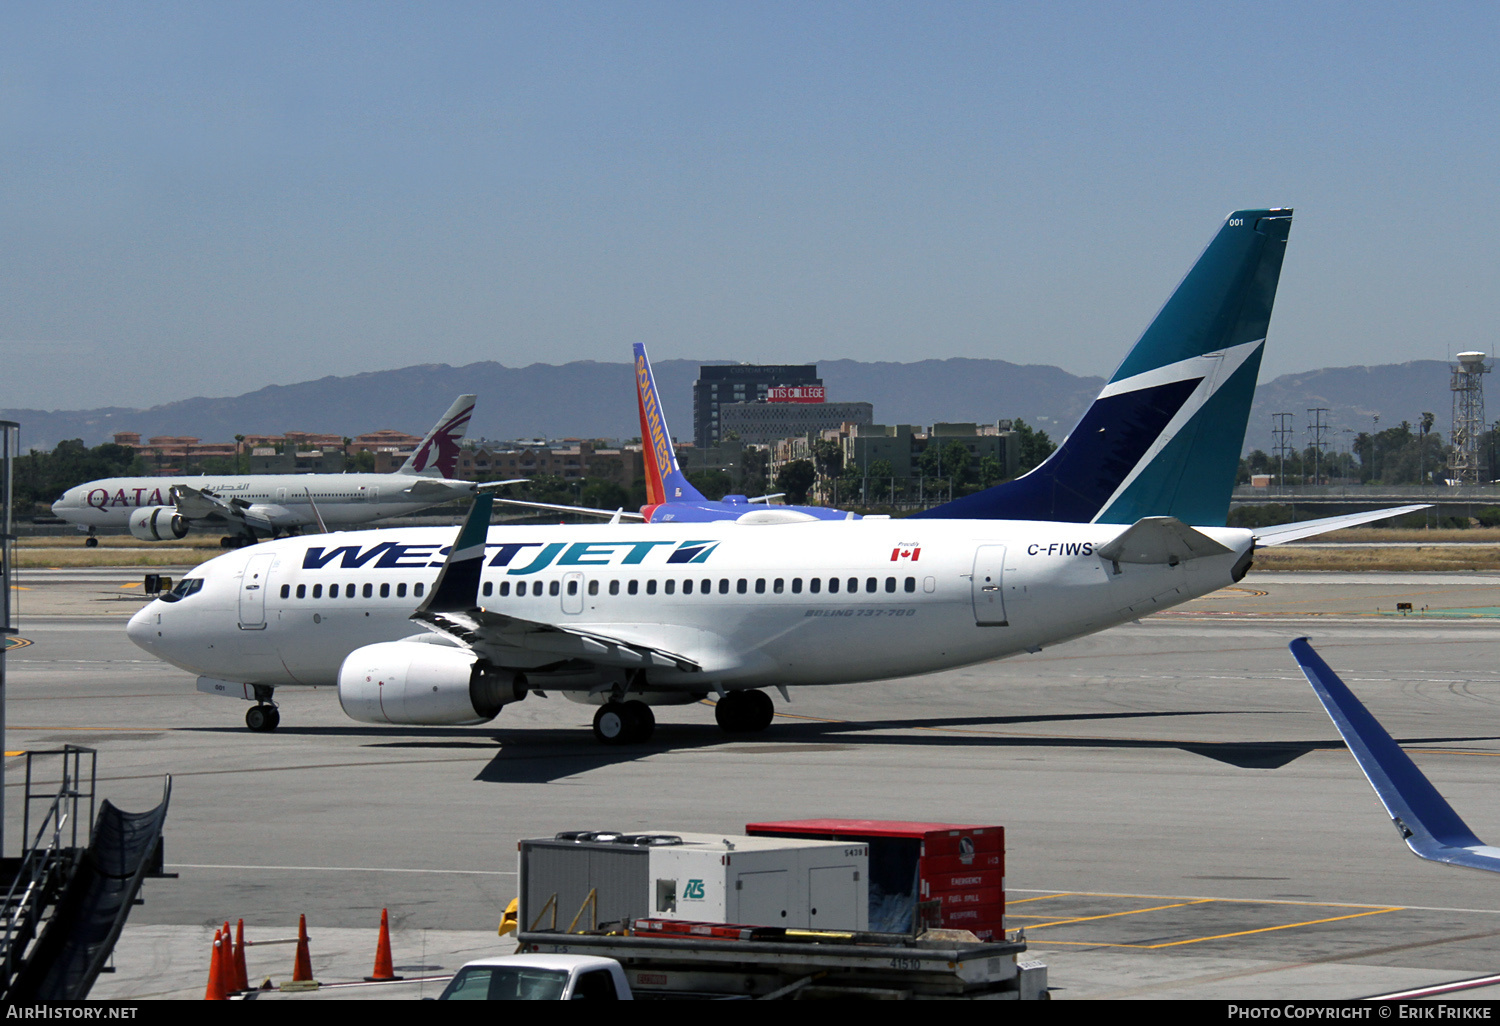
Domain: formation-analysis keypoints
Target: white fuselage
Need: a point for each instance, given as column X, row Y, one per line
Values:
column 280, row 499
column 752, row 606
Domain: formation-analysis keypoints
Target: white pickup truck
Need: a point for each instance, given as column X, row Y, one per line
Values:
column 539, row 978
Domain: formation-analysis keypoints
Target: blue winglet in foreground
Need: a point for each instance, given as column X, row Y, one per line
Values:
column 1427, row 822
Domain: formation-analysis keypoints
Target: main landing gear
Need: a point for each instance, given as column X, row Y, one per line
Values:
column 624, row 723
column 235, row 541
column 744, row 712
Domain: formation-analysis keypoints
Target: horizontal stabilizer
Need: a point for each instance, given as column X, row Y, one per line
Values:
column 1160, row 540
column 1426, row 821
column 773, row 515
column 1283, row 533
column 587, row 511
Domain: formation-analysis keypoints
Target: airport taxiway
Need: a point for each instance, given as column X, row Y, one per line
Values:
column 1182, row 820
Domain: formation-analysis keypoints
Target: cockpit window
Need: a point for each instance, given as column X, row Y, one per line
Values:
column 185, row 587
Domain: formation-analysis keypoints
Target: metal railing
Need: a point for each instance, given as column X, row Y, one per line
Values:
column 48, row 856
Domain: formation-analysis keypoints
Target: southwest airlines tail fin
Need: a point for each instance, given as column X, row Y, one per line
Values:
column 1164, row 437
column 664, row 480
column 437, row 456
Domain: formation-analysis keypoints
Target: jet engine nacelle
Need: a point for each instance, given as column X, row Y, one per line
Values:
column 430, row 685
column 158, row 523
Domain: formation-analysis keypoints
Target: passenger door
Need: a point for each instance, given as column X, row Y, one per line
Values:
column 253, row 592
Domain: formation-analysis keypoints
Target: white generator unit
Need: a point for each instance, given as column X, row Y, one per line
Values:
column 788, row 882
column 762, row 881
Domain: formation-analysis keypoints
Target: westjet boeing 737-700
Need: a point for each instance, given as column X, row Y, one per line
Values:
column 1124, row 519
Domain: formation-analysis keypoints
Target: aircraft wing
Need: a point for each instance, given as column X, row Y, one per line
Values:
column 1426, row 821
column 452, row 608
column 201, row 505
column 587, row 511
column 1310, row 528
column 500, row 636
column 1160, row 540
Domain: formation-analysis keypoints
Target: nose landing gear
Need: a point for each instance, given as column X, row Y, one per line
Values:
column 262, row 718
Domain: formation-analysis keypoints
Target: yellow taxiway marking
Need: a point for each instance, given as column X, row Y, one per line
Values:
column 9, row 755
column 132, row 584
column 1269, row 929
column 1112, row 915
column 1183, row 904
column 1039, row 897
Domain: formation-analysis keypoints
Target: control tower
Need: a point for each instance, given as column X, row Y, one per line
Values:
column 1468, row 417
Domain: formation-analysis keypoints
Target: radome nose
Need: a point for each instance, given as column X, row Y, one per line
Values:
column 142, row 626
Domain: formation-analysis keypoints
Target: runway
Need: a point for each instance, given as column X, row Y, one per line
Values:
column 1182, row 819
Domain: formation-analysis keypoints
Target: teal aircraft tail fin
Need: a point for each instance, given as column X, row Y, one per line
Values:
column 1164, row 437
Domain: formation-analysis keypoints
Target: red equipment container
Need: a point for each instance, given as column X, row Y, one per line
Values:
column 963, row 867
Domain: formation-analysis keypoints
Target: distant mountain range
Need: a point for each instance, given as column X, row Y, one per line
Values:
column 597, row 400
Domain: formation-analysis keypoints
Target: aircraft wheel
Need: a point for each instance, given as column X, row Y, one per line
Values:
column 91, row 542
column 226, row 542
column 744, row 712
column 642, row 721
column 262, row 718
column 612, row 724
column 759, row 710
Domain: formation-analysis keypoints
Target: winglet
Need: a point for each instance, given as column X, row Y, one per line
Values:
column 437, row 456
column 664, row 480
column 457, row 586
column 1426, row 821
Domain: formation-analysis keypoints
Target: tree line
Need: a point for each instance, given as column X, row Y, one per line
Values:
column 1406, row 454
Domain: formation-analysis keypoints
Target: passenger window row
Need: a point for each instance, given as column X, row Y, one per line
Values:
column 706, row 586
column 349, row 590
column 689, row 585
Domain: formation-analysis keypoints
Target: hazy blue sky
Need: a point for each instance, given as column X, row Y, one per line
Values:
column 201, row 199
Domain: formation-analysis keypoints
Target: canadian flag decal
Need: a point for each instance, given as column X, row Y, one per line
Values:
column 899, row 553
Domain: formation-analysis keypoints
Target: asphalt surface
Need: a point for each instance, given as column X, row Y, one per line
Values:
column 1182, row 819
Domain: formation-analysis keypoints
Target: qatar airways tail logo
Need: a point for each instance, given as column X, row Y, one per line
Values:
column 440, row 449
column 518, row 558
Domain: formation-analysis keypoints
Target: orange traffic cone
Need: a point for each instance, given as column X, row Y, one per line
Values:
column 227, row 954
column 241, row 977
column 302, row 971
column 215, row 991
column 383, row 968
